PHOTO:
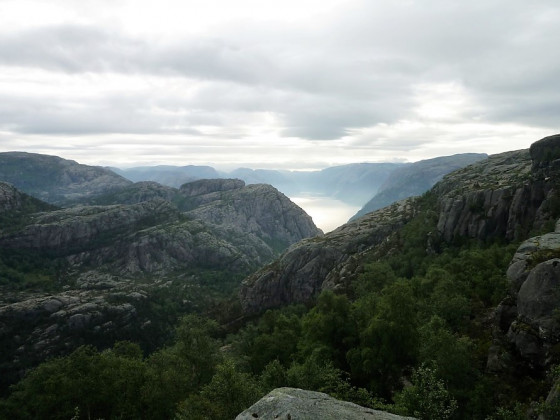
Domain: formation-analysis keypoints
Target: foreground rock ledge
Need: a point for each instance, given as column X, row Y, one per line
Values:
column 298, row 404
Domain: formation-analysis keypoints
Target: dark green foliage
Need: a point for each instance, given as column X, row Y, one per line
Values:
column 327, row 332
column 229, row 393
column 29, row 270
column 274, row 338
column 101, row 385
column 388, row 342
column 417, row 315
column 427, row 398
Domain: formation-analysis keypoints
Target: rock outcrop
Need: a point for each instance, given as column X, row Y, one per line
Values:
column 229, row 225
column 529, row 319
column 259, row 209
column 506, row 196
column 14, row 202
column 293, row 403
column 10, row 198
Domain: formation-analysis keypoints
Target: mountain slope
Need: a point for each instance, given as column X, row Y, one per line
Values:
column 56, row 180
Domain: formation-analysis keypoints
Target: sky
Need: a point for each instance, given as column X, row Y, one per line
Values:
column 276, row 84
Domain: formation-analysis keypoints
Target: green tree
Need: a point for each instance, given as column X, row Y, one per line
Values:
column 389, row 342
column 228, row 393
column 327, row 330
column 427, row 398
column 98, row 385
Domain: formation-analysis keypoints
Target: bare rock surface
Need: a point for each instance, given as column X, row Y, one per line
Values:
column 299, row 404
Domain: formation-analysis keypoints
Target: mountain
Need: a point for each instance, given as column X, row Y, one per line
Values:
column 501, row 196
column 416, row 178
column 56, row 180
column 441, row 306
column 353, row 184
column 172, row 176
column 126, row 269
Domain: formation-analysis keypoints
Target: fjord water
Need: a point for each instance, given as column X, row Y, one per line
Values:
column 327, row 213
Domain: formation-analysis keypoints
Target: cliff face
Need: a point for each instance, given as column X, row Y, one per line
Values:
column 259, row 209
column 10, row 198
column 504, row 196
column 14, row 202
column 527, row 326
column 230, row 225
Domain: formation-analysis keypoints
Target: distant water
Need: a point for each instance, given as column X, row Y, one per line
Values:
column 327, row 213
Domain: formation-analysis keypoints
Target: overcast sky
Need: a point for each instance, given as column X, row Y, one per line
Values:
column 276, row 84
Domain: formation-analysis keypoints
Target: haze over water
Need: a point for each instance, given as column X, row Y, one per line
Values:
column 327, row 213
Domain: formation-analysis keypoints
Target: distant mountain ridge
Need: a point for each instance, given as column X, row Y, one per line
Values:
column 372, row 185
column 353, row 183
column 171, row 176
column 56, row 180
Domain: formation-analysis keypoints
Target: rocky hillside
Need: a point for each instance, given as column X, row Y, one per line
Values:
column 312, row 264
column 56, row 180
column 416, row 178
column 91, row 273
column 506, row 196
column 15, row 202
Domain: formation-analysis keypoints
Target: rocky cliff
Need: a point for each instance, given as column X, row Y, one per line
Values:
column 56, row 180
column 260, row 209
column 293, row 403
column 15, row 202
column 527, row 325
column 505, row 196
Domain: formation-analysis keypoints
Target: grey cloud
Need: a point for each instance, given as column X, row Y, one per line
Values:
column 355, row 70
column 104, row 115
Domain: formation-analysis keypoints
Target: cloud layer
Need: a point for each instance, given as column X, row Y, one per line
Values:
column 293, row 84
